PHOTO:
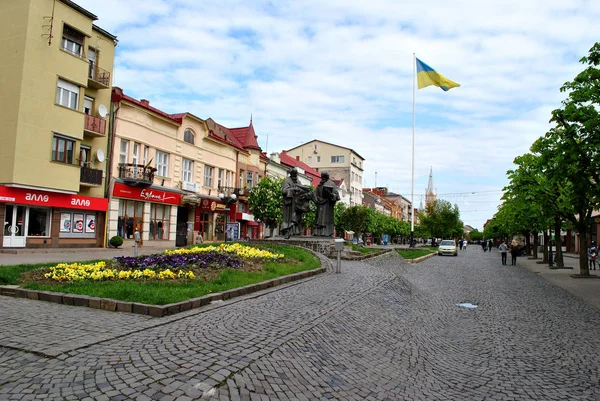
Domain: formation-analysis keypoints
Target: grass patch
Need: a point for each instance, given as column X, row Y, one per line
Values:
column 363, row 249
column 158, row 292
column 414, row 253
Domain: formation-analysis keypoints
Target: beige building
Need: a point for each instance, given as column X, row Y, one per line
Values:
column 177, row 176
column 55, row 84
column 341, row 163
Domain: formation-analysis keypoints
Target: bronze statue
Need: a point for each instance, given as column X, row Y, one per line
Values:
column 326, row 195
column 296, row 199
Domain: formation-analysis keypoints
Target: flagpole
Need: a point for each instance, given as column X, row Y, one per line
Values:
column 412, row 187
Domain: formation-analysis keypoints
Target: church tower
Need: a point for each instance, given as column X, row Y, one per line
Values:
column 430, row 195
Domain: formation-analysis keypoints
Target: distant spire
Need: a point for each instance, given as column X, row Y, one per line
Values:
column 430, row 189
column 250, row 118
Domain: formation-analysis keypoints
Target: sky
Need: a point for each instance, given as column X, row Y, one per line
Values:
column 341, row 71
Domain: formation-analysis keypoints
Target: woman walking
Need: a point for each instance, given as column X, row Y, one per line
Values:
column 503, row 251
column 592, row 254
column 514, row 251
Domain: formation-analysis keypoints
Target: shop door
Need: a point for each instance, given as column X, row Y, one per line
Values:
column 182, row 227
column 14, row 227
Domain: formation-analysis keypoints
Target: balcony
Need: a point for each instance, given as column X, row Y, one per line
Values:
column 90, row 177
column 94, row 126
column 243, row 192
column 98, row 78
column 136, row 175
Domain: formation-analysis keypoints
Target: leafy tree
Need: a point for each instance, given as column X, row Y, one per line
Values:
column 570, row 150
column 475, row 235
column 338, row 211
column 442, row 220
column 266, row 202
column 356, row 218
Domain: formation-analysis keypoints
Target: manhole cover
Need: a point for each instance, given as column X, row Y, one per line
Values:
column 466, row 305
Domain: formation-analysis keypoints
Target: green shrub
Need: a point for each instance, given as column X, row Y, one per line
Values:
column 116, row 241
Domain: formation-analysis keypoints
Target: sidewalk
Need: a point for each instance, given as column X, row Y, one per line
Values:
column 587, row 289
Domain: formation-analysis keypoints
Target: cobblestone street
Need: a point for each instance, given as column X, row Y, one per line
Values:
column 381, row 330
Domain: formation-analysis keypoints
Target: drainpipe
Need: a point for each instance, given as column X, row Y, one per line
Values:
column 115, row 100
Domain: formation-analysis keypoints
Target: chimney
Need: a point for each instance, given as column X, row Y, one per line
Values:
column 145, row 102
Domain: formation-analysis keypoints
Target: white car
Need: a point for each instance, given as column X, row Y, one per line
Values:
column 447, row 247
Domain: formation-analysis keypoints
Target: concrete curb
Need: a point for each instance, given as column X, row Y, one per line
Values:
column 114, row 305
column 422, row 258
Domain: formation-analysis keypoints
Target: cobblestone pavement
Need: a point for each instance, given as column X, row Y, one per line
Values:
column 380, row 330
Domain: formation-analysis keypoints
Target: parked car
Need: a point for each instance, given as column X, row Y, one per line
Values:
column 447, row 247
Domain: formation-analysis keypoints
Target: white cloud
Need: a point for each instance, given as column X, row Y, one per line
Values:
column 341, row 71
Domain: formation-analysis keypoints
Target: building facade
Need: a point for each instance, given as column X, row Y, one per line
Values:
column 57, row 67
column 341, row 163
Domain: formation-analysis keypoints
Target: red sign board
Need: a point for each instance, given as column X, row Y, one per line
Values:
column 51, row 199
column 146, row 194
column 208, row 205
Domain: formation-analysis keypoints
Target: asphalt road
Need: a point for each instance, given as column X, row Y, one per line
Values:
column 380, row 330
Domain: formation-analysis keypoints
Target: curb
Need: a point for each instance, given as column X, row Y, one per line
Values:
column 361, row 257
column 420, row 259
column 113, row 305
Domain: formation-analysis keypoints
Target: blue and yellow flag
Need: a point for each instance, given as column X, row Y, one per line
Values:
column 428, row 76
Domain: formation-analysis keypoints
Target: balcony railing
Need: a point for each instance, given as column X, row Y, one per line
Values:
column 95, row 125
column 136, row 175
column 90, row 176
column 98, row 78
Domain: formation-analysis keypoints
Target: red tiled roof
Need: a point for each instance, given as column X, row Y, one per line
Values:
column 246, row 136
column 292, row 162
column 118, row 95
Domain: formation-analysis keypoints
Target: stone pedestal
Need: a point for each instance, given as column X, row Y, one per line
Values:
column 322, row 245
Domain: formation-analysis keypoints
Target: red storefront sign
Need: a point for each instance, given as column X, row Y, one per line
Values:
column 146, row 194
column 51, row 199
column 208, row 205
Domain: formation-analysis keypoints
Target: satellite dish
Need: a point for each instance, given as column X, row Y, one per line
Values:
column 100, row 155
column 102, row 111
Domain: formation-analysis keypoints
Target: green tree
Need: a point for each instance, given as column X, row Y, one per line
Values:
column 442, row 220
column 356, row 219
column 266, row 202
column 475, row 235
column 338, row 211
column 570, row 150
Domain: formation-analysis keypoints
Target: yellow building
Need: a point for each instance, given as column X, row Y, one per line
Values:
column 340, row 162
column 55, row 86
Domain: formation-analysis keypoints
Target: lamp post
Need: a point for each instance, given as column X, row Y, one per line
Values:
column 228, row 198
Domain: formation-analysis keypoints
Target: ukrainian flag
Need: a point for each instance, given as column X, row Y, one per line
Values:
column 428, row 76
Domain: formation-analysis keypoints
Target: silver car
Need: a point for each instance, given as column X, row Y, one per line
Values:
column 447, row 247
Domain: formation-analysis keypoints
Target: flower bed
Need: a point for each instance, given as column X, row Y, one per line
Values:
column 171, row 265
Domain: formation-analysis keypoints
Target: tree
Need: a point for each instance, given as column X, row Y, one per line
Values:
column 266, row 202
column 570, row 150
column 441, row 219
column 475, row 235
column 356, row 218
column 338, row 211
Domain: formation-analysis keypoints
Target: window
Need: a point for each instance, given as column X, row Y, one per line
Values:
column 228, row 176
column 38, row 222
column 136, row 153
column 85, row 153
column 62, row 149
column 337, row 159
column 162, row 164
column 186, row 170
column 241, row 179
column 67, row 94
column 208, row 176
column 130, row 217
column 72, row 41
column 160, row 216
column 188, row 136
column 318, row 159
column 249, row 179
column 309, row 159
column 220, row 178
column 88, row 104
column 146, row 151
column 124, row 151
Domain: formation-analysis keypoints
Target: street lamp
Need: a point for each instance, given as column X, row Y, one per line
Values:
column 227, row 198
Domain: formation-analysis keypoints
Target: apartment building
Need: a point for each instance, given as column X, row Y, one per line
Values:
column 341, row 163
column 177, row 176
column 56, row 73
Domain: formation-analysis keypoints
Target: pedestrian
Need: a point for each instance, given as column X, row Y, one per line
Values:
column 465, row 244
column 503, row 251
column 490, row 243
column 514, row 251
column 484, row 246
column 592, row 254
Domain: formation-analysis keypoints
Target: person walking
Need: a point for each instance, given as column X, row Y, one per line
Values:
column 503, row 251
column 592, row 254
column 490, row 243
column 514, row 252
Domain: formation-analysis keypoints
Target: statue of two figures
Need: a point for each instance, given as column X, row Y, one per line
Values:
column 296, row 202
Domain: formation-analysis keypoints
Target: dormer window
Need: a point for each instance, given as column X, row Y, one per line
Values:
column 188, row 136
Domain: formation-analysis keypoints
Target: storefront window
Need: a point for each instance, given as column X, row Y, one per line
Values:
column 39, row 222
column 160, row 216
column 130, row 217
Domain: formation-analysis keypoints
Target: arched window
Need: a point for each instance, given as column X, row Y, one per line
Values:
column 188, row 136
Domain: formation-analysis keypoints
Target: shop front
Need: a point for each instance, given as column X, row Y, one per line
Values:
column 211, row 219
column 152, row 211
column 45, row 219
